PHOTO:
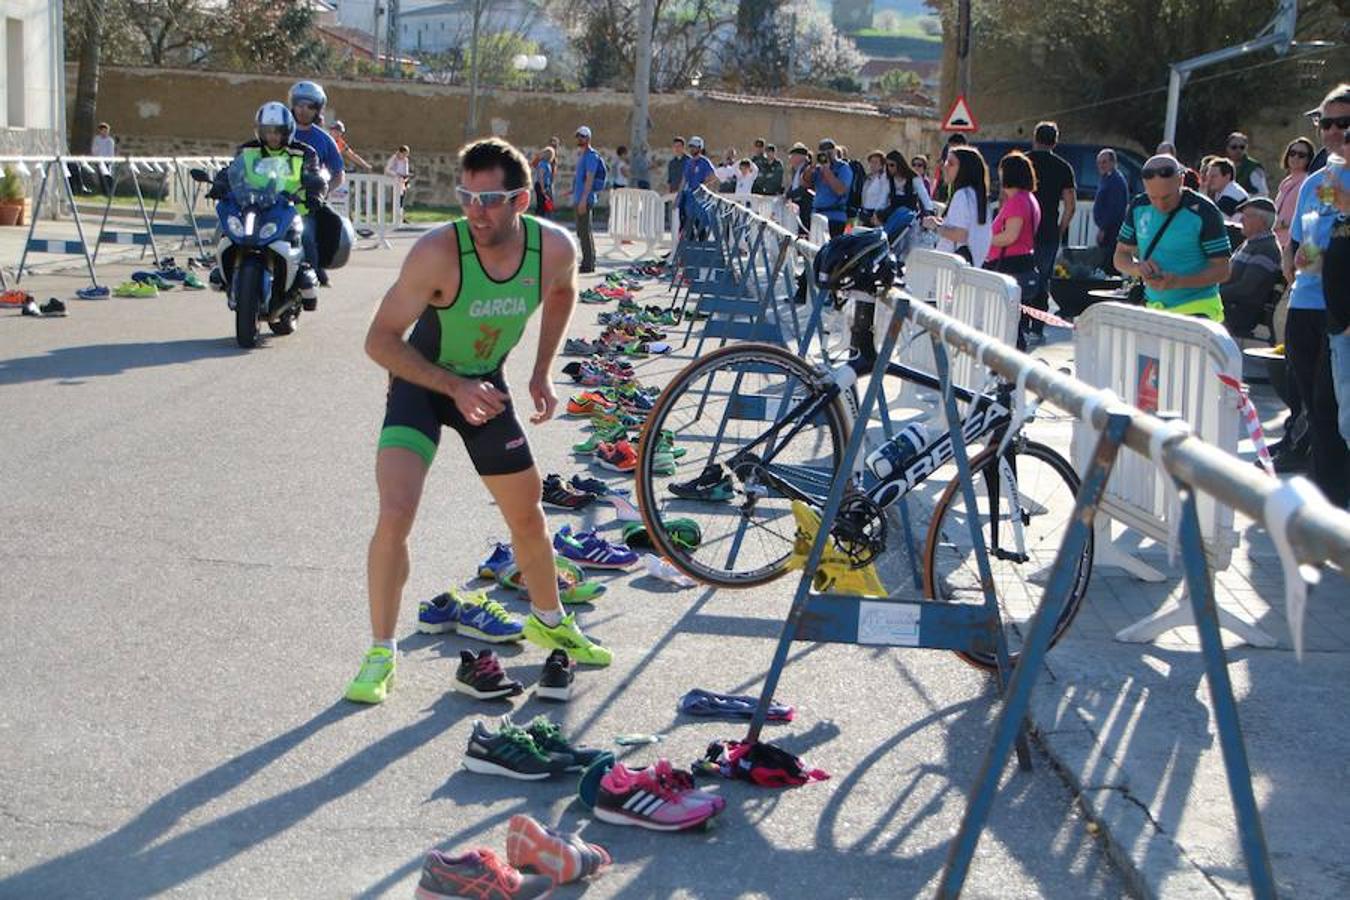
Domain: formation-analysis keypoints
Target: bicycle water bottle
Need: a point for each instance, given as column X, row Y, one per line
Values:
column 896, row 453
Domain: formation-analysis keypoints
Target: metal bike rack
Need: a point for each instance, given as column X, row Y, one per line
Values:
column 35, row 244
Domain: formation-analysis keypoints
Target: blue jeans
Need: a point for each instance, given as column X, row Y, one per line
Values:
column 309, row 240
column 1045, row 254
column 1340, row 380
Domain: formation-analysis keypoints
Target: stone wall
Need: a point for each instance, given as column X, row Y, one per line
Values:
column 166, row 112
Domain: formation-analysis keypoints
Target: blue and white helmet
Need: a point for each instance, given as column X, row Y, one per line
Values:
column 274, row 117
column 308, row 92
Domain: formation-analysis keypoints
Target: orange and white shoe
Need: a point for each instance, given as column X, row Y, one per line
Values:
column 562, row 857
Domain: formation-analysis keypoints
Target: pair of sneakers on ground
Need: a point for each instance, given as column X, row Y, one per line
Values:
column 552, row 858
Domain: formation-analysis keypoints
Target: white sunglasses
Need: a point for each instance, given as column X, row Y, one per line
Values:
column 486, row 199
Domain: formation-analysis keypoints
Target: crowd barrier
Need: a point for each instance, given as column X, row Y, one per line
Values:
column 1191, row 470
column 373, row 203
column 636, row 214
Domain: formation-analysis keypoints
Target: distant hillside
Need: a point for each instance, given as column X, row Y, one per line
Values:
column 889, row 47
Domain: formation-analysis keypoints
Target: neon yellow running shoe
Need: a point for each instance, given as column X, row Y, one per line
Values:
column 567, row 636
column 372, row 683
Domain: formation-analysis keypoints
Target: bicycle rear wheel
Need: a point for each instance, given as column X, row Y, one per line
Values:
column 1046, row 488
column 714, row 409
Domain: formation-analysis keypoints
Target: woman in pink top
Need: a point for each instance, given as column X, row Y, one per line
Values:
column 1297, row 157
column 1012, row 250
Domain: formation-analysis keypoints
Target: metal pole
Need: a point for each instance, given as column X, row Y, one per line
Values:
column 963, row 47
column 1174, row 82
column 471, row 123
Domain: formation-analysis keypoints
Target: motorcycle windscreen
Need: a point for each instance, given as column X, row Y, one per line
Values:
column 334, row 236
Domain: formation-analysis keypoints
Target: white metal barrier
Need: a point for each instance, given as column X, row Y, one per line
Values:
column 1082, row 230
column 1160, row 362
column 637, row 215
column 374, row 203
column 820, row 230
column 990, row 302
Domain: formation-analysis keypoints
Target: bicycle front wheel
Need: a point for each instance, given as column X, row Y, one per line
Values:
column 701, row 458
column 1020, row 559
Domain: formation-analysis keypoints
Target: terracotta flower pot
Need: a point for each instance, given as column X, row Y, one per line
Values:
column 10, row 213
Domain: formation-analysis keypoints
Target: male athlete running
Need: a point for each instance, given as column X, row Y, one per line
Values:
column 467, row 289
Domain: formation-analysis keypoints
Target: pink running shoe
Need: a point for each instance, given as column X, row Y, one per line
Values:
column 643, row 799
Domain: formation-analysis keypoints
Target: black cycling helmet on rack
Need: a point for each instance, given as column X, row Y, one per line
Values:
column 861, row 261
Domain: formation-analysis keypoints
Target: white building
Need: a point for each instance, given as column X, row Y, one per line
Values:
column 439, row 27
column 32, row 111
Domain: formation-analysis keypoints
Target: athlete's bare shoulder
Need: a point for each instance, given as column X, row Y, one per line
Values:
column 431, row 267
column 558, row 248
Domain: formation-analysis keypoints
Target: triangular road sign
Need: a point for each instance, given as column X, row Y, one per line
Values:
column 960, row 118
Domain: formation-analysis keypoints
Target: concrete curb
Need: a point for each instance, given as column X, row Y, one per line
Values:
column 1151, row 861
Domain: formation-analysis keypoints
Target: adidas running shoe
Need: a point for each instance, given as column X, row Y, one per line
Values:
column 589, row 549
column 563, row 856
column 479, row 874
column 566, row 635
column 641, row 798
column 555, row 681
column 549, row 738
column 713, row 485
column 485, row 619
column 511, row 753
column 480, row 676
column 560, row 494
column 376, row 678
column 439, row 614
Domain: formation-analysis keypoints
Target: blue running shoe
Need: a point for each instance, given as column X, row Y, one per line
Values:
column 589, row 549
column 487, row 620
column 98, row 292
column 502, row 556
column 439, row 614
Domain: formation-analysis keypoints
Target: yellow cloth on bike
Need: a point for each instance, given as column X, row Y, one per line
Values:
column 835, row 572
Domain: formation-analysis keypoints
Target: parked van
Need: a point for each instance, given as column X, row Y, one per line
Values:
column 1082, row 158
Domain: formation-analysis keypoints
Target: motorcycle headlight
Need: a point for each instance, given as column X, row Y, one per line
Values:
column 268, row 230
column 235, row 224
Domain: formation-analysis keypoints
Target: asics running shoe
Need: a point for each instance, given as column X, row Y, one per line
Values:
column 487, row 620
column 563, row 856
column 373, row 682
column 439, row 614
column 511, row 753
column 643, row 799
column 135, row 289
column 479, row 874
column 567, row 636
column 481, row 677
column 589, row 549
column 501, row 557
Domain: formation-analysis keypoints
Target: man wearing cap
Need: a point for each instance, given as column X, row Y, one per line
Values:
column 831, row 179
column 1311, row 330
column 698, row 171
column 1254, row 270
column 589, row 166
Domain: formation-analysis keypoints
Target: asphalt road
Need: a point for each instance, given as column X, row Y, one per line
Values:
column 183, row 598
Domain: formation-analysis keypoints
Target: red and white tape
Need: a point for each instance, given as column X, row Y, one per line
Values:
column 1251, row 419
column 1048, row 318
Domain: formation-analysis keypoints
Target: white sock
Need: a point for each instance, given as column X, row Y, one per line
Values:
column 391, row 645
column 550, row 617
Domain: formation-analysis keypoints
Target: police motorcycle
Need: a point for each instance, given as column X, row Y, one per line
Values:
column 260, row 239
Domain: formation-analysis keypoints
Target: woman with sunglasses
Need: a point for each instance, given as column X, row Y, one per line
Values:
column 920, row 166
column 1297, row 157
column 908, row 190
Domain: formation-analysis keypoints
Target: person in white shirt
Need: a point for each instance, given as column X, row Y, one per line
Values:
column 103, row 143
column 743, row 172
column 876, row 190
column 400, row 167
column 1225, row 190
column 968, row 227
column 620, row 168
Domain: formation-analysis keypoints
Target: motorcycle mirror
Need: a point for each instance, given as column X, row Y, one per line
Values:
column 200, row 175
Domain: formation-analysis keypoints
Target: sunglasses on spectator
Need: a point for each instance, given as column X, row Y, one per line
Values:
column 1299, row 154
column 1159, row 172
column 485, row 199
column 1330, row 122
column 916, row 164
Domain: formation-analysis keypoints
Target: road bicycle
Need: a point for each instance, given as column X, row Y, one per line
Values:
column 769, row 430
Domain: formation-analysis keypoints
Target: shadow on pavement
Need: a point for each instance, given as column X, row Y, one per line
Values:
column 124, row 864
column 96, row 360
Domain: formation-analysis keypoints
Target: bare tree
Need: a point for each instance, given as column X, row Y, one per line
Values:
column 641, row 88
column 90, row 16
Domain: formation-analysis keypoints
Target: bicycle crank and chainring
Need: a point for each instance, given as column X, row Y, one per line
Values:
column 859, row 531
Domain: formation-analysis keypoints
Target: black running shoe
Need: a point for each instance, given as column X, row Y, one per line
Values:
column 512, row 753
column 555, row 682
column 53, row 307
column 549, row 738
column 562, row 495
column 481, row 676
column 713, row 485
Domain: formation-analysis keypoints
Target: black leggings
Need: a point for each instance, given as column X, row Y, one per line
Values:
column 1309, row 358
